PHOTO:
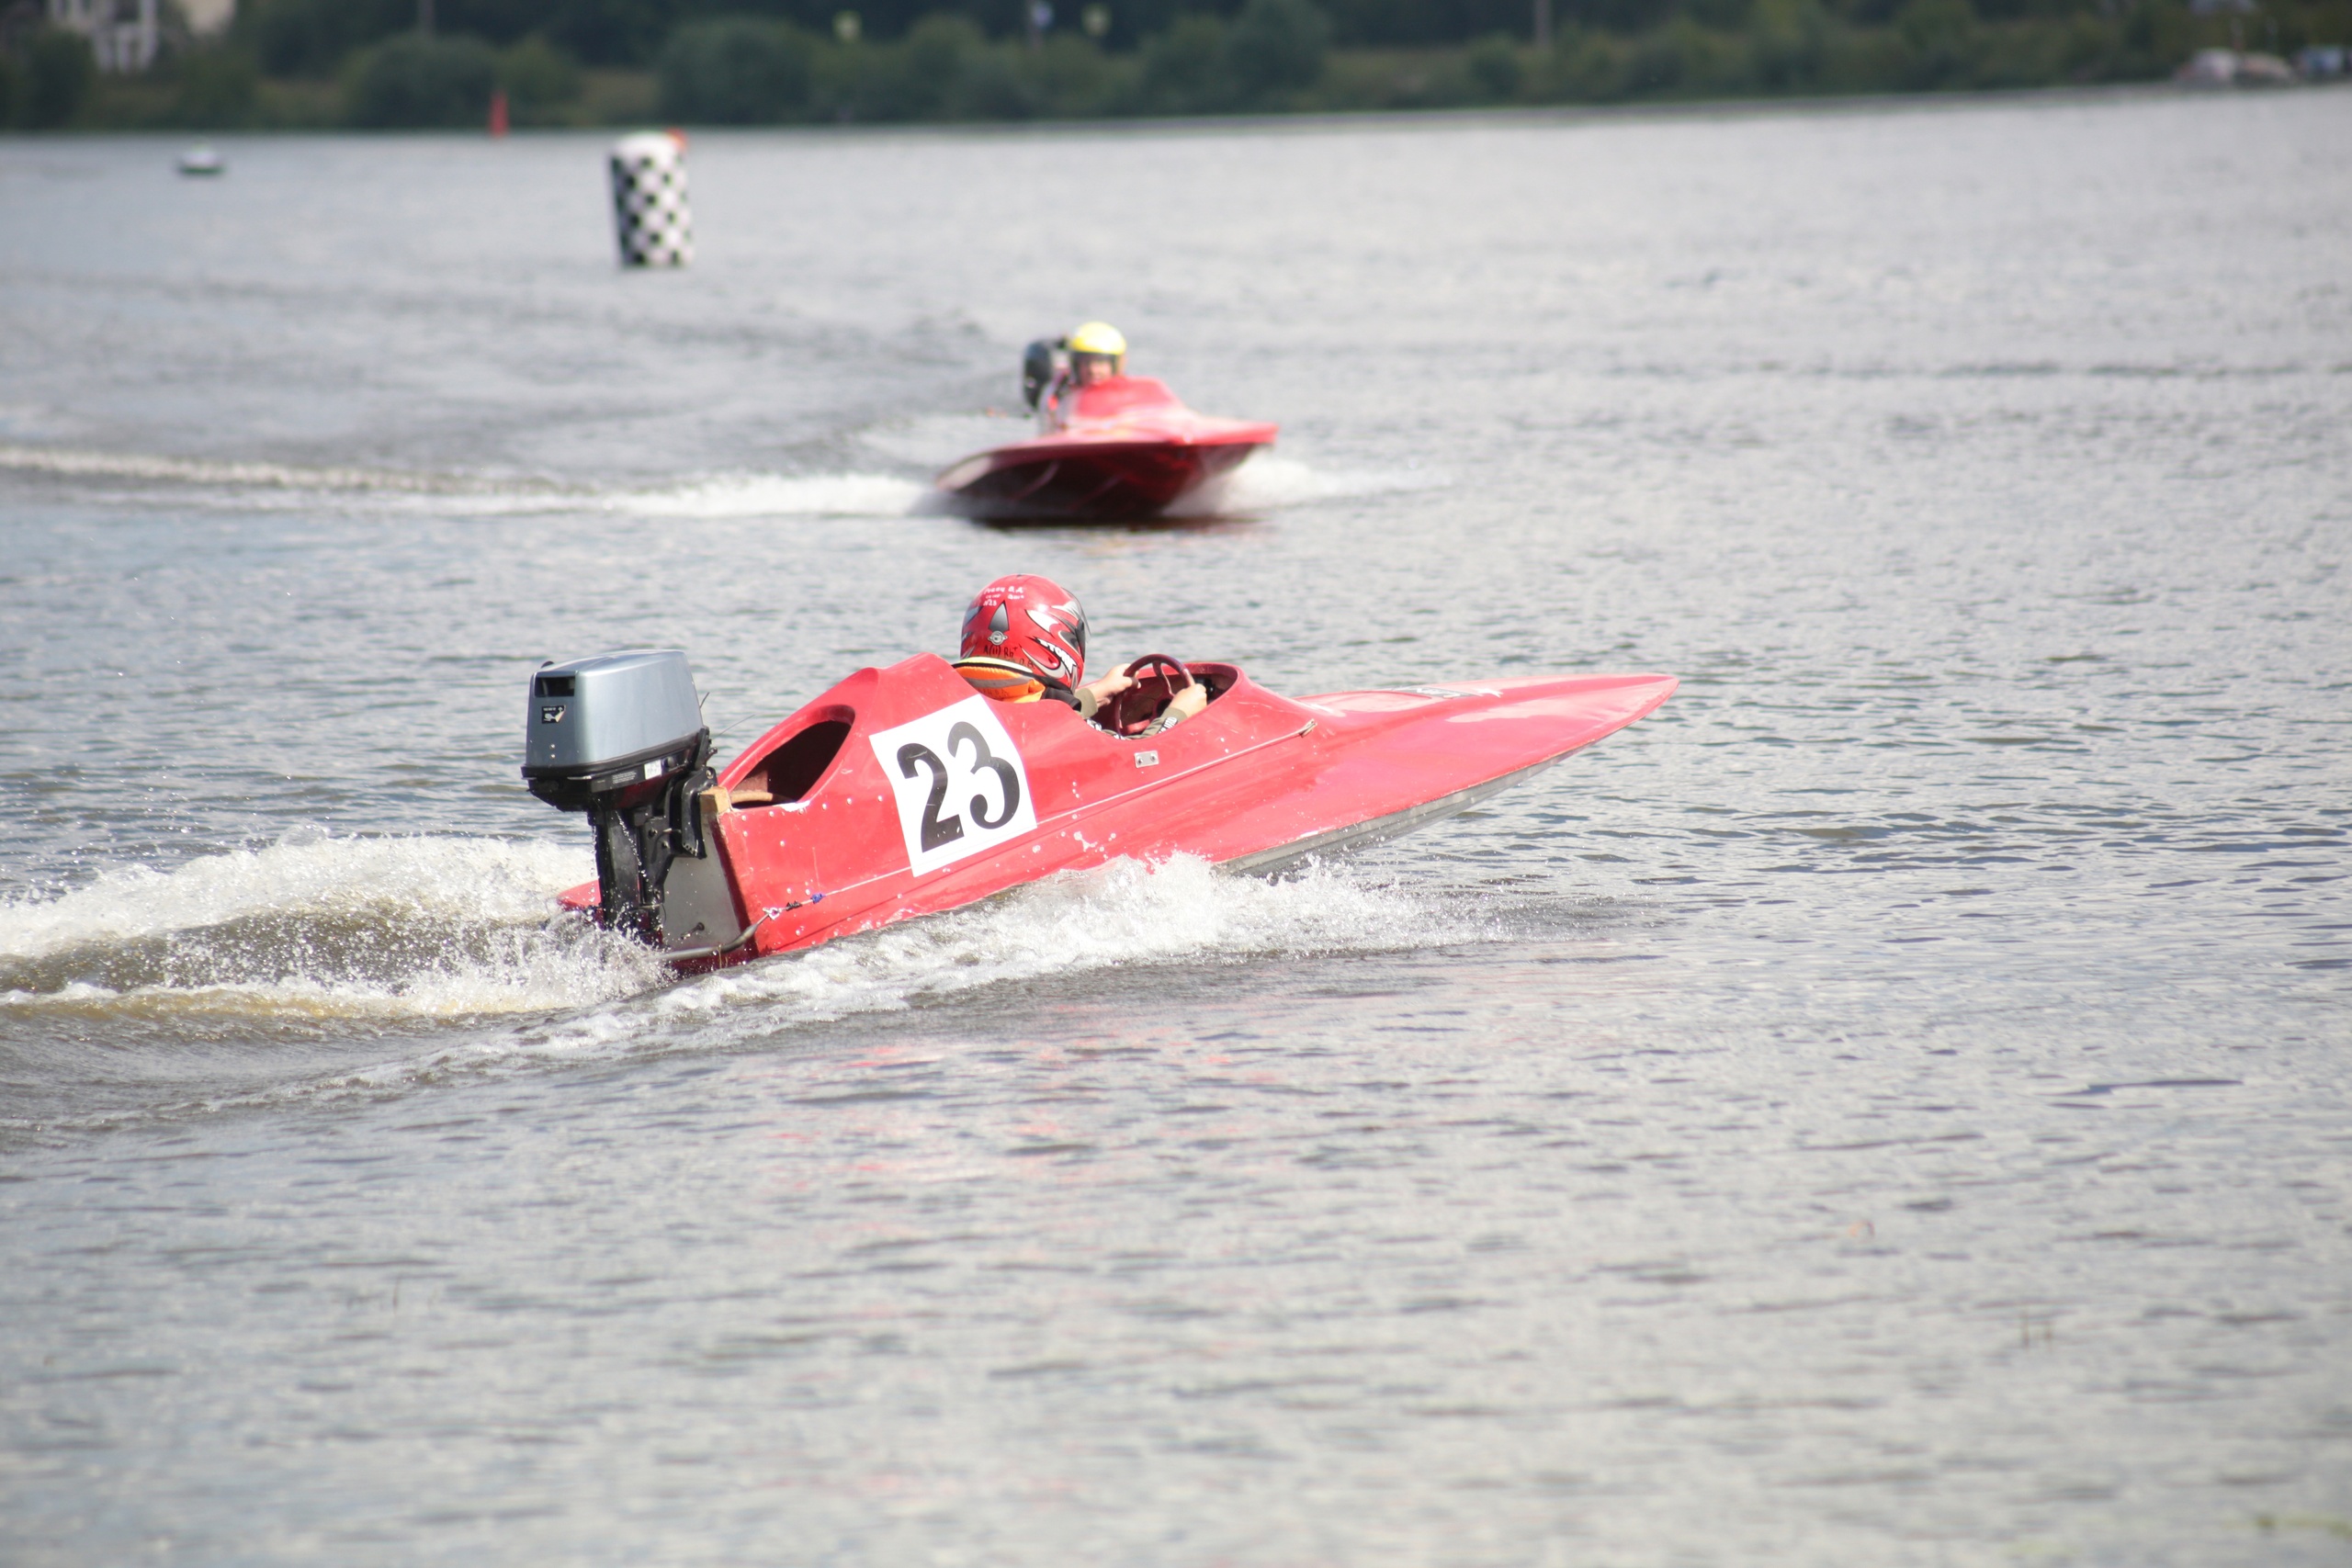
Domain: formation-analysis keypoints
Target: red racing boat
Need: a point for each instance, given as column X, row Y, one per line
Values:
column 901, row 792
column 1127, row 449
column 1111, row 446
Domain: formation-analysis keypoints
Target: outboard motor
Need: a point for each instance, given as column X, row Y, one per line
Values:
column 620, row 737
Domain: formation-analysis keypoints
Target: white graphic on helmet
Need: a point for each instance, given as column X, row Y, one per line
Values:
column 1058, row 622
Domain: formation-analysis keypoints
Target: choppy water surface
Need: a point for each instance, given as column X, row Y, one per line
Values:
column 1888, row 1107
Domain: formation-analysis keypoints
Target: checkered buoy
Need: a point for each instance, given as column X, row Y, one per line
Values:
column 649, row 200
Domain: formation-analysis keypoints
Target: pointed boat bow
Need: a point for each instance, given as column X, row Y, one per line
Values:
column 1380, row 763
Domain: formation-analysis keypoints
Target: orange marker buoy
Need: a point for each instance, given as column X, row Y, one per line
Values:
column 498, row 111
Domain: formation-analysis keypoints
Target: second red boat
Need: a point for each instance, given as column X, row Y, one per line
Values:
column 1113, row 447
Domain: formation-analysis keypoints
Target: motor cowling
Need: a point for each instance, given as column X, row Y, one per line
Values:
column 1038, row 368
column 620, row 738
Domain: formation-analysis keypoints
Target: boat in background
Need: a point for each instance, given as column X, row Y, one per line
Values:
column 1108, row 449
column 1129, row 449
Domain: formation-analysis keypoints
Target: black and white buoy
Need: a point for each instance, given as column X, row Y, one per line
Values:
column 649, row 200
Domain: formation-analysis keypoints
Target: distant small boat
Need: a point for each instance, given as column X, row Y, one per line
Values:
column 202, row 160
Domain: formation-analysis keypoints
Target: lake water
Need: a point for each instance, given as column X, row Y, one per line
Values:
column 1889, row 1107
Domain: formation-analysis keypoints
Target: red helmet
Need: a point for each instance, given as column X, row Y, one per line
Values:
column 1029, row 622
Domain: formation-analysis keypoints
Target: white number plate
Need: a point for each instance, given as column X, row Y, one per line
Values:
column 960, row 784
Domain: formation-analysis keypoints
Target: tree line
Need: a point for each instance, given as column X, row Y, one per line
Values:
column 370, row 64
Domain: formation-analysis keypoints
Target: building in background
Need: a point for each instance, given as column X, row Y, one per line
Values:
column 126, row 34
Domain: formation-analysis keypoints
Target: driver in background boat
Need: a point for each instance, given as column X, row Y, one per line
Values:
column 1098, row 353
column 1024, row 642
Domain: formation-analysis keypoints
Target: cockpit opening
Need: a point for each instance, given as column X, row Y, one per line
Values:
column 793, row 769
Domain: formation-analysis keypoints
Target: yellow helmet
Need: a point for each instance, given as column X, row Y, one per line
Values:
column 1098, row 337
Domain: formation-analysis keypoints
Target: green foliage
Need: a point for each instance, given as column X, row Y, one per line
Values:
column 1685, row 60
column 1273, row 50
column 2157, row 35
column 946, row 69
column 1276, row 47
column 939, row 53
column 313, row 37
column 767, row 61
column 216, row 89
column 1942, row 37
column 990, row 84
column 1802, row 46
column 1788, row 44
column 538, row 78
column 310, row 37
column 1420, row 25
column 920, row 77
column 1494, row 67
column 736, row 71
column 1075, row 77
column 1587, row 68
column 1718, row 15
column 414, row 82
column 55, row 78
column 625, row 32
column 1184, row 68
column 1623, row 18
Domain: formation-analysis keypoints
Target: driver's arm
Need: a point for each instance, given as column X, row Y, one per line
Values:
column 1095, row 693
column 1181, row 706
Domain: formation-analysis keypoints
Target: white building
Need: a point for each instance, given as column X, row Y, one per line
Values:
column 125, row 34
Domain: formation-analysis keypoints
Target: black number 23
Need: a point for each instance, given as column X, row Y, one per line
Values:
column 937, row 829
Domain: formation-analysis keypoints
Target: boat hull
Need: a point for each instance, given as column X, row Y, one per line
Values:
column 901, row 793
column 1124, row 449
column 1090, row 481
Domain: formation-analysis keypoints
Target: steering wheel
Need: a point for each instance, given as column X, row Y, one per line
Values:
column 1158, row 678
